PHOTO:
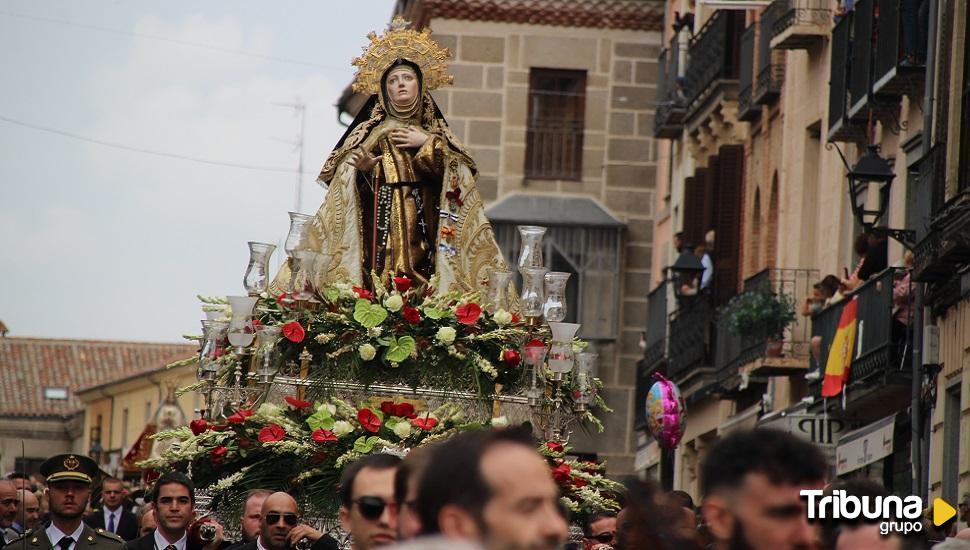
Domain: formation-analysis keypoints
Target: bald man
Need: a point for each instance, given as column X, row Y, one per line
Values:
column 280, row 527
column 28, row 511
column 8, row 511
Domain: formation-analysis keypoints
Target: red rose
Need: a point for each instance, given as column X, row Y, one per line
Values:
column 387, row 407
column 412, row 315
column 426, row 423
column 240, row 416
column 468, row 313
column 368, row 420
column 298, row 403
column 516, row 318
column 218, row 454
column 273, row 432
column 198, row 426
column 402, row 284
column 404, row 410
column 257, row 324
column 577, row 394
column 294, row 332
column 363, row 293
column 555, row 446
column 322, row 436
column 562, row 473
column 512, row 358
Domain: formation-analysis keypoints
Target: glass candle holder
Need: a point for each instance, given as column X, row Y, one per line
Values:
column 561, row 356
column 586, row 364
column 534, row 356
column 213, row 347
column 302, row 274
column 298, row 226
column 241, row 324
column 532, row 290
column 530, row 246
column 499, row 284
column 554, row 309
column 256, row 279
column 266, row 338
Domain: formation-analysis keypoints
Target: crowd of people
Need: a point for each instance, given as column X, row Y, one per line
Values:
column 485, row 490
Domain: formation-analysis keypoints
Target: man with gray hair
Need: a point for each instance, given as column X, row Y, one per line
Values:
column 28, row 511
column 8, row 511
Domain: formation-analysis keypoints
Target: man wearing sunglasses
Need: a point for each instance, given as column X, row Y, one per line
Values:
column 367, row 495
column 280, row 528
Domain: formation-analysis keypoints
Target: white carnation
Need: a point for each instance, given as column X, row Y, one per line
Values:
column 402, row 429
column 502, row 317
column 342, row 428
column 394, row 302
column 367, row 352
column 446, row 335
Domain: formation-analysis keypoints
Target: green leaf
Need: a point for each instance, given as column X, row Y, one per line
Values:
column 365, row 444
column 369, row 315
column 435, row 313
column 400, row 349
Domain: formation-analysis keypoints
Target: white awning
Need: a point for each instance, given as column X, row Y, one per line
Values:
column 864, row 446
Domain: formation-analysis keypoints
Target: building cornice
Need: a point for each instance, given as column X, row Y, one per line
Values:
column 638, row 15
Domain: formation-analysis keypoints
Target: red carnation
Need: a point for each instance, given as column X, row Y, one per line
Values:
column 402, row 284
column 257, row 324
column 218, row 454
column 512, row 358
column 322, row 436
column 555, row 446
column 273, row 432
column 363, row 293
column 468, row 313
column 294, row 332
column 198, row 426
column 297, row 403
column 579, row 482
column 562, row 473
column 368, row 420
column 404, row 410
column 240, row 416
column 412, row 315
column 426, row 423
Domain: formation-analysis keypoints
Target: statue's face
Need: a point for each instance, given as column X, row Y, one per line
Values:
column 402, row 86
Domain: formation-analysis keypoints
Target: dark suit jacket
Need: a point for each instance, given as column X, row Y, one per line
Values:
column 127, row 527
column 326, row 542
column 141, row 543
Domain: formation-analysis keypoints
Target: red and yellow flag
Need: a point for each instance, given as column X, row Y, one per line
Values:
column 840, row 353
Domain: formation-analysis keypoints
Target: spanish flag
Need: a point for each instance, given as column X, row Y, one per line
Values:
column 840, row 353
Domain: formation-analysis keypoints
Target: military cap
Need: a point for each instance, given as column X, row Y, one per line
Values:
column 69, row 467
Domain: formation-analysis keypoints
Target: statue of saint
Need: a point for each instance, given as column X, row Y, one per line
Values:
column 402, row 199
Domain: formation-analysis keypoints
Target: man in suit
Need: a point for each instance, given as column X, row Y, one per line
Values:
column 8, row 511
column 173, row 500
column 112, row 516
column 280, row 528
column 28, row 511
column 69, row 479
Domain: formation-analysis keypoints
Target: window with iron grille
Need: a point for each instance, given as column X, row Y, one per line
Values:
column 557, row 109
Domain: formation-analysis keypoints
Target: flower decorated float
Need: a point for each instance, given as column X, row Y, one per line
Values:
column 395, row 321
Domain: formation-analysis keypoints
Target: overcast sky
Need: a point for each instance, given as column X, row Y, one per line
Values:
column 105, row 243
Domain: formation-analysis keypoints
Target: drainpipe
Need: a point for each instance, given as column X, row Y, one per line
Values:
column 919, row 451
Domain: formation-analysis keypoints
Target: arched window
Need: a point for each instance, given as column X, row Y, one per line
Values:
column 754, row 258
column 771, row 231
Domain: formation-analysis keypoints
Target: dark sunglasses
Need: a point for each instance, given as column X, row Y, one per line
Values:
column 274, row 518
column 604, row 538
column 371, row 507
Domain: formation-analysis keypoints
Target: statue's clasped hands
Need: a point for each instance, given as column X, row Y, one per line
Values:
column 408, row 138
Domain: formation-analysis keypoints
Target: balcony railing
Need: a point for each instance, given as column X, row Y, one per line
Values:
column 860, row 76
column 893, row 73
column 801, row 24
column 733, row 351
column 656, row 339
column 714, row 57
column 771, row 70
column 690, row 338
column 668, row 119
column 929, row 195
column 747, row 109
column 840, row 127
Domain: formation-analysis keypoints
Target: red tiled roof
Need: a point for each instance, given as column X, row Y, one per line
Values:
column 643, row 15
column 28, row 365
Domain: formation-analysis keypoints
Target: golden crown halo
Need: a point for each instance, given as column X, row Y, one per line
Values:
column 401, row 42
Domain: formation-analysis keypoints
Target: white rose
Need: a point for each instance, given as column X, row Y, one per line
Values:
column 269, row 409
column 367, row 352
column 342, row 428
column 394, row 302
column 502, row 317
column 500, row 421
column 402, row 429
column 446, row 335
column 375, row 332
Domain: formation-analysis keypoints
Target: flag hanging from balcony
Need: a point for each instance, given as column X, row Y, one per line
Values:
column 840, row 353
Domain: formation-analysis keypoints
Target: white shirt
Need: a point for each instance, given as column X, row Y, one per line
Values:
column 708, row 271
column 161, row 543
column 107, row 518
column 55, row 535
column 259, row 543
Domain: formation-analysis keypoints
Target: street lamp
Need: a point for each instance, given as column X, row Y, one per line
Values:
column 685, row 270
column 872, row 172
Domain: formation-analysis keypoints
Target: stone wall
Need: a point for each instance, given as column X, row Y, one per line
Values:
column 488, row 106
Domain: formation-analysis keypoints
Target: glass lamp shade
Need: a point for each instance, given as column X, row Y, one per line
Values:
column 266, row 338
column 256, row 280
column 530, row 248
column 213, row 346
column 241, row 324
column 499, row 283
column 532, row 290
column 561, row 356
column 303, row 272
column 554, row 309
column 298, row 225
column 586, row 366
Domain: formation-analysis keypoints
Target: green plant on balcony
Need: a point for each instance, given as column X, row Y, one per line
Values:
column 760, row 314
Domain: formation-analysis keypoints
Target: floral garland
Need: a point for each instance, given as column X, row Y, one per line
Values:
column 584, row 487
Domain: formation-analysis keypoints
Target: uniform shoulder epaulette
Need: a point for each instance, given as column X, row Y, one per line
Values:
column 109, row 535
column 22, row 536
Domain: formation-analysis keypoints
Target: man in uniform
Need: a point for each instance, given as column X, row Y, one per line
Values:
column 69, row 479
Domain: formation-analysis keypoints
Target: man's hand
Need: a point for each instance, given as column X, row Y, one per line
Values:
column 362, row 161
column 302, row 531
column 408, row 137
column 220, row 536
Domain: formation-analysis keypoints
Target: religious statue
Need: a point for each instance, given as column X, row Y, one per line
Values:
column 402, row 199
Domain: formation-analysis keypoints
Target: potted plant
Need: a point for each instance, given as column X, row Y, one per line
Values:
column 761, row 314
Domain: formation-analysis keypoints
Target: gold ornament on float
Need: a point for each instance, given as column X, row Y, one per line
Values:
column 401, row 42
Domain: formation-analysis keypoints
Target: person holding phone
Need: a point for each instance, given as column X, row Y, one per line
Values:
column 281, row 529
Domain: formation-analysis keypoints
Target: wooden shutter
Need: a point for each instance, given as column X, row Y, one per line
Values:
column 698, row 206
column 727, row 222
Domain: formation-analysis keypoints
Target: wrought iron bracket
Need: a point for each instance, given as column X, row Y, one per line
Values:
column 905, row 237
